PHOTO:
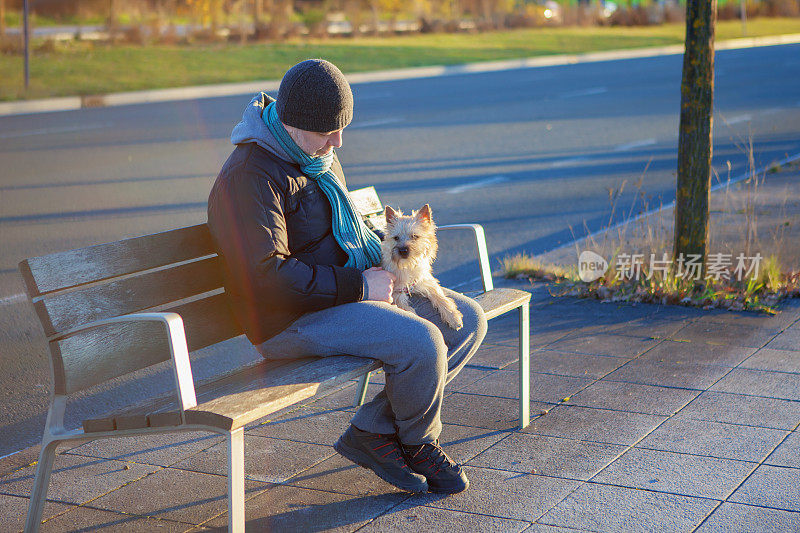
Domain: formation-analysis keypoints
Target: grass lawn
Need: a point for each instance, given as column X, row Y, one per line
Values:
column 84, row 68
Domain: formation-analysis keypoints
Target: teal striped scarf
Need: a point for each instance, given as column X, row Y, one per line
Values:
column 362, row 246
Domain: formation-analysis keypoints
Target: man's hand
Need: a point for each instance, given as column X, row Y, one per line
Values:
column 379, row 284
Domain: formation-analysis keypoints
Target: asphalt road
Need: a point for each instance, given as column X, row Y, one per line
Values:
column 531, row 154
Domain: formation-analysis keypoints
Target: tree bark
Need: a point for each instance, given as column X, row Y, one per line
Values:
column 695, row 136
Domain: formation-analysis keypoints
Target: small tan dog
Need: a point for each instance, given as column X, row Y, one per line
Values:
column 409, row 249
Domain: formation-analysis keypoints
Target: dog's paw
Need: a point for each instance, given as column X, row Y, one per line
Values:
column 454, row 319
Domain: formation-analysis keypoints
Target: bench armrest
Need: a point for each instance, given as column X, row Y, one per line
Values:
column 179, row 352
column 483, row 254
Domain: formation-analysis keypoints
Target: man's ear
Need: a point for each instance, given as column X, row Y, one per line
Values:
column 424, row 214
column 391, row 215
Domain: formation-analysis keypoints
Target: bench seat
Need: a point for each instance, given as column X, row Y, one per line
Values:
column 258, row 390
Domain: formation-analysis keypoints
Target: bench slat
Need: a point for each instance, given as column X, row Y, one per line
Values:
column 97, row 355
column 250, row 397
column 95, row 263
column 61, row 312
column 498, row 301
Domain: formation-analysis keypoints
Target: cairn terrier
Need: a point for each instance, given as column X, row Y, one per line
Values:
column 408, row 251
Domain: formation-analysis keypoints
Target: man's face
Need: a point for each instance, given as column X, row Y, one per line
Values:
column 313, row 143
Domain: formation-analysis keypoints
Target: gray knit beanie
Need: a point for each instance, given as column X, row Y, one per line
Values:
column 315, row 96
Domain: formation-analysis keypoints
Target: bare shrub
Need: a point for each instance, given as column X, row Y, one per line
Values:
column 11, row 45
column 781, row 8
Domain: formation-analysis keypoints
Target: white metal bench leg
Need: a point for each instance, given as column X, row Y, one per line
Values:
column 236, row 481
column 361, row 390
column 40, row 484
column 524, row 366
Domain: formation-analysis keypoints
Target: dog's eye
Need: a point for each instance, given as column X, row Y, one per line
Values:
column 415, row 236
column 396, row 238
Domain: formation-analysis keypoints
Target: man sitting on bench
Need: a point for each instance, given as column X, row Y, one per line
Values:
column 300, row 271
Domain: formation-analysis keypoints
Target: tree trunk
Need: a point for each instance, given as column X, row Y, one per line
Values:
column 694, row 139
column 2, row 18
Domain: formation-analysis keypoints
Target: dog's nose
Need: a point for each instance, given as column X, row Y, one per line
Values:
column 403, row 251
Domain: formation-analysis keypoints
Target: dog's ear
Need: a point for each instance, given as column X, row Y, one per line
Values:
column 424, row 214
column 391, row 214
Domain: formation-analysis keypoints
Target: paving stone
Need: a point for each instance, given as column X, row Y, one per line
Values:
column 597, row 425
column 617, row 509
column 425, row 519
column 610, row 345
column 88, row 519
column 714, row 333
column 714, row 439
column 742, row 409
column 340, row 475
column 549, row 456
column 265, row 459
column 689, row 475
column 337, row 474
column 547, row 388
column 306, row 425
column 495, row 356
column 161, row 449
column 633, row 397
column 734, row 517
column 654, row 327
column 76, row 479
column 670, row 351
column 784, row 318
column 21, row 459
column 465, row 378
column 503, row 494
column 548, row 361
column 771, row 359
column 462, row 443
column 544, row 528
column 505, row 330
column 286, row 508
column 788, row 453
column 771, row 486
column 14, row 510
column 488, row 412
column 761, row 383
column 173, row 494
column 681, row 375
column 789, row 339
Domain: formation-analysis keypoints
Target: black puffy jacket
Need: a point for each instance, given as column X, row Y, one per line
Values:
column 272, row 227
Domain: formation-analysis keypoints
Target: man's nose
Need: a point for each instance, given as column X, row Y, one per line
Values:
column 335, row 139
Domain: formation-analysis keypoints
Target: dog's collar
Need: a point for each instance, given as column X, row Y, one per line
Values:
column 407, row 288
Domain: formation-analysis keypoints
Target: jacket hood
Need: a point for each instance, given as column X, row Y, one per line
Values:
column 252, row 129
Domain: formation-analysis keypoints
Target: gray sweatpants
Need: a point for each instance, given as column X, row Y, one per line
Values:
column 420, row 354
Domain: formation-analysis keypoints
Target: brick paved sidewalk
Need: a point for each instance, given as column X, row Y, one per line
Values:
column 657, row 419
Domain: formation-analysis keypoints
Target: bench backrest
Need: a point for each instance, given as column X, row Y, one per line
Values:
column 176, row 271
column 172, row 271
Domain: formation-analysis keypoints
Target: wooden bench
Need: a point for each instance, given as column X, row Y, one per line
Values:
column 118, row 307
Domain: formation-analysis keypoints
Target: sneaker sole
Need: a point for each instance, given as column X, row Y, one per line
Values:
column 440, row 490
column 360, row 458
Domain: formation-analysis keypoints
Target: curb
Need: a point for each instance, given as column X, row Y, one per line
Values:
column 72, row 103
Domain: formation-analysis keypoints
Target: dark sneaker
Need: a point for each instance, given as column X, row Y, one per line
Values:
column 382, row 455
column 443, row 474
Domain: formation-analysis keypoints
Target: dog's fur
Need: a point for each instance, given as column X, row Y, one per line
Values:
column 408, row 251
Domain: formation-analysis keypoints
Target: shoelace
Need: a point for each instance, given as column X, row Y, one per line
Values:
column 394, row 448
column 432, row 449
